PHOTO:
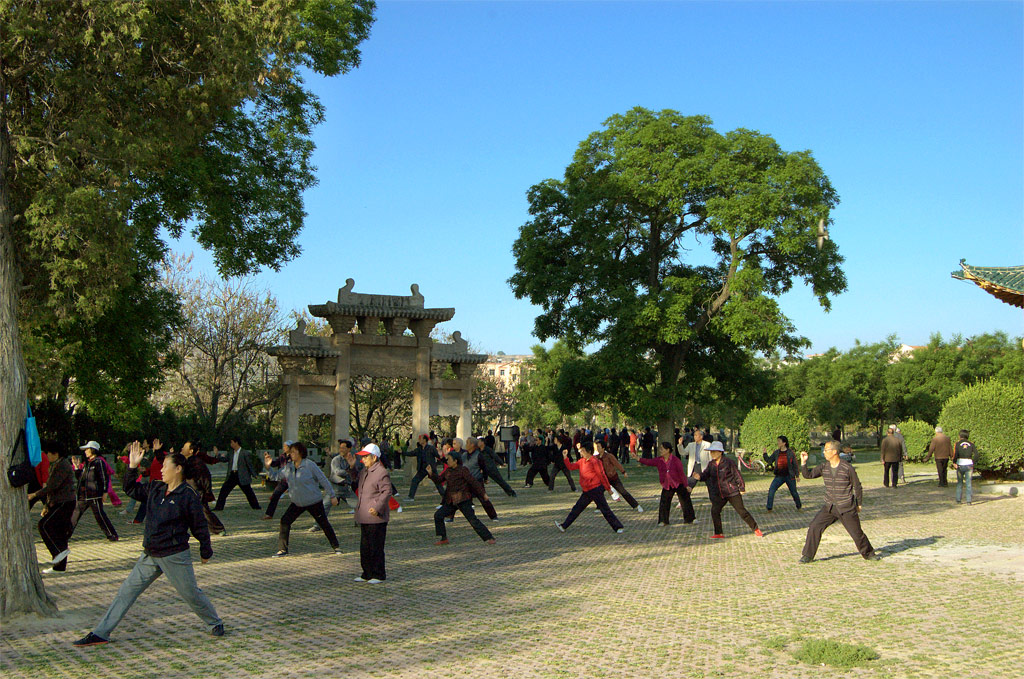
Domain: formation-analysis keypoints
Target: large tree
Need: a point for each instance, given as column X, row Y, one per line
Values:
column 122, row 121
column 666, row 244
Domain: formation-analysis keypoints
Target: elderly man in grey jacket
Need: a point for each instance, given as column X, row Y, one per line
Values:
column 372, row 514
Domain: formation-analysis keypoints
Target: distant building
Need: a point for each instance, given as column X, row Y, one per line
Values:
column 906, row 351
column 506, row 369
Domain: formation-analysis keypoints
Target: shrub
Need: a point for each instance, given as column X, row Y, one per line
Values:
column 763, row 425
column 993, row 412
column 918, row 435
column 834, row 653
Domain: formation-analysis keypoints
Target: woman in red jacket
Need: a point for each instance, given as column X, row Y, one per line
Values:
column 672, row 475
column 725, row 486
column 593, row 483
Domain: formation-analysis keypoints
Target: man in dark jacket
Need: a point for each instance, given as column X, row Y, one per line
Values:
column 843, row 497
column 557, row 452
column 539, row 462
column 58, row 494
column 940, row 448
column 489, row 463
column 92, row 486
column 725, row 486
column 426, row 465
column 460, row 489
column 892, row 453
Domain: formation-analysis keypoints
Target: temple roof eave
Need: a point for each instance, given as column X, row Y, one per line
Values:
column 335, row 309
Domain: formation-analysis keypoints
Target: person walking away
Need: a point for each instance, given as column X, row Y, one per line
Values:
column 372, row 515
column 843, row 502
column 460, row 489
column 672, row 476
column 890, row 456
column 58, row 496
column 614, row 470
column 305, row 481
column 966, row 455
column 786, row 470
column 91, row 486
column 241, row 472
column 593, row 483
column 198, row 475
column 941, row 449
column 725, row 486
column 174, row 511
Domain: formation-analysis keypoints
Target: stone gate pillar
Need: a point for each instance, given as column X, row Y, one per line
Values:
column 342, row 389
column 421, row 392
column 290, row 432
column 464, row 429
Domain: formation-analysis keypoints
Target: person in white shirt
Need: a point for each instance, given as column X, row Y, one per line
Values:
column 697, row 452
column 241, row 472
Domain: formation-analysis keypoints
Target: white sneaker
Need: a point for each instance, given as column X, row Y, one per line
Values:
column 50, row 570
column 399, row 510
column 621, row 530
column 313, row 529
column 639, row 509
column 360, row 578
column 438, row 507
column 60, row 557
column 374, row 581
column 560, row 526
column 337, row 551
column 660, row 524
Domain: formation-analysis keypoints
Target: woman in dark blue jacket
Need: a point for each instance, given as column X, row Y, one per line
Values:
column 173, row 510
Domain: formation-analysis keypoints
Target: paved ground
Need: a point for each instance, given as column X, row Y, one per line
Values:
column 652, row 602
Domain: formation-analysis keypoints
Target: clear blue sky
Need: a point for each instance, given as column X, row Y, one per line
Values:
column 914, row 110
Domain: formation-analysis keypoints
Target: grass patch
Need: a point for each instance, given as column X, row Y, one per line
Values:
column 777, row 642
column 834, row 653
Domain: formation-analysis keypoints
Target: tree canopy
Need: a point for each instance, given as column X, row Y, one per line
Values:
column 666, row 245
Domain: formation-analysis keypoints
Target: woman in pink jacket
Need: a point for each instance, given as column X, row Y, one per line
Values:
column 672, row 475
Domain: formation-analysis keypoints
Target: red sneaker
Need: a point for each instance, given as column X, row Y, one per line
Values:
column 442, row 542
column 758, row 533
column 717, row 536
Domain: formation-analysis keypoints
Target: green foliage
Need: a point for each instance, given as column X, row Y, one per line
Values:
column 763, row 426
column 666, row 243
column 993, row 413
column 543, row 397
column 835, row 653
column 917, row 435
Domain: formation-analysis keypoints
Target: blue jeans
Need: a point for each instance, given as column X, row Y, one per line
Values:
column 790, row 483
column 963, row 477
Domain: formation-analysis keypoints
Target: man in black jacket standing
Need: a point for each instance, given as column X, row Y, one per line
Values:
column 92, row 486
column 426, row 465
column 241, row 472
column 843, row 497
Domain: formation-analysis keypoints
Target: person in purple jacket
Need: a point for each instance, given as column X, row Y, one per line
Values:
column 672, row 475
column 372, row 514
column 725, row 487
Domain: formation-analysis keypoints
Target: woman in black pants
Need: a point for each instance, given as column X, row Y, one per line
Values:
column 305, row 481
column 59, row 497
column 725, row 486
column 460, row 489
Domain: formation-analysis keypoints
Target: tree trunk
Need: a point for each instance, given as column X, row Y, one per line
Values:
column 21, row 585
column 666, row 429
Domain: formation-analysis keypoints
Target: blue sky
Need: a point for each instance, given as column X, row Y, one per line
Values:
column 914, row 110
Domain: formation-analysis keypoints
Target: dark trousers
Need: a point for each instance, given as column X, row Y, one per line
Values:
column 280, row 489
column 55, row 529
column 616, row 483
column 942, row 466
column 892, row 468
column 560, row 467
column 216, row 525
column 492, row 472
column 825, row 518
column 102, row 519
column 316, row 510
column 595, row 495
column 229, row 484
column 489, row 509
column 778, row 481
column 538, row 469
column 718, row 503
column 466, row 507
column 665, row 506
column 420, row 475
column 371, row 550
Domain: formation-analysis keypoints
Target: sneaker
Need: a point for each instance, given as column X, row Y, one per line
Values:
column 90, row 639
column 639, row 509
column 560, row 526
column 60, row 557
column 873, row 557
column 115, row 538
column 758, row 533
column 442, row 541
column 266, row 518
column 438, row 507
column 313, row 529
column 495, row 518
column 662, row 523
column 218, row 630
column 278, row 553
column 620, row 530
column 51, row 569
column 806, row 559
column 399, row 510
column 771, row 510
column 717, row 536
column 374, row 581
column 337, row 551
column 360, row 578
column 135, row 523
column 409, row 499
column 491, row 541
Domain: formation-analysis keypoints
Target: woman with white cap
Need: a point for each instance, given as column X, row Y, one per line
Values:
column 725, row 486
column 372, row 514
column 92, row 485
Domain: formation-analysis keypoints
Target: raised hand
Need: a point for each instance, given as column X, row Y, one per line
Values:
column 157, row 445
column 134, row 454
column 803, row 457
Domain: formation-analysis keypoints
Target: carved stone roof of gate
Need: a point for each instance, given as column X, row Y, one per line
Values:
column 301, row 352
column 456, row 352
column 381, row 306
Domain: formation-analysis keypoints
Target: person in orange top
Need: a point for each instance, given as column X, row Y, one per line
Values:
column 593, row 483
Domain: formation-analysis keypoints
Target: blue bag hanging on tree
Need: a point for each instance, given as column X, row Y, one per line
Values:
column 35, row 448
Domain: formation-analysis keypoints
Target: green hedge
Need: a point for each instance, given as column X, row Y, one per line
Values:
column 993, row 412
column 918, row 435
column 763, row 425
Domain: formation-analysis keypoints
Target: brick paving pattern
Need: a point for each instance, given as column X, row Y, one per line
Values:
column 651, row 602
